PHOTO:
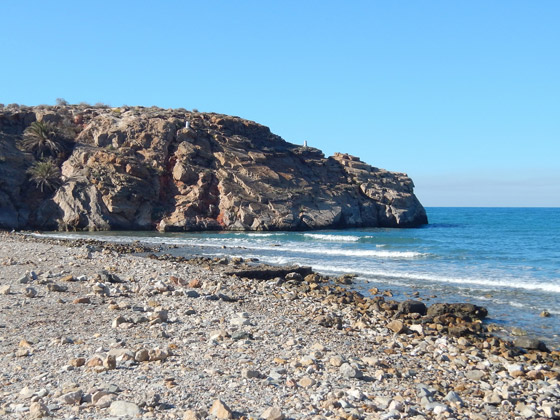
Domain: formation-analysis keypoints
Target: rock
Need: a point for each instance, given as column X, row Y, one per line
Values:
column 417, row 328
column 5, row 289
column 530, row 344
column 306, row 382
column 396, row 326
column 142, row 355
column 535, row 375
column 544, row 314
column 153, row 399
column 160, row 316
column 336, row 361
column 475, row 375
column 347, row 371
column 157, row 355
column 454, row 398
column 105, row 401
column 393, row 414
column 194, row 415
column 71, row 398
column 83, row 300
column 221, row 410
column 26, row 393
column 30, row 292
column 121, row 354
column 520, row 332
column 77, row 362
column 437, row 408
column 195, row 284
column 267, row 272
column 294, row 276
column 118, row 321
column 528, row 412
column 124, row 409
column 272, row 413
column 396, row 405
column 239, row 322
column 22, row 352
column 101, row 289
column 549, row 410
column 492, row 398
column 412, row 307
column 461, row 310
column 192, row 293
column 38, row 410
column 247, row 373
column 53, row 287
column 95, row 397
column 95, row 361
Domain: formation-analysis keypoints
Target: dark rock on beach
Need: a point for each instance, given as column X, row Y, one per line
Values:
column 412, row 307
column 460, row 310
column 267, row 272
column 146, row 168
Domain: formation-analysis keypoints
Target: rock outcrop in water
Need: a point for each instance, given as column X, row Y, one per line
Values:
column 175, row 170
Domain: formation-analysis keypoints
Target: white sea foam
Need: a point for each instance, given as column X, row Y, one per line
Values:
column 302, row 251
column 467, row 282
column 361, row 253
column 333, row 238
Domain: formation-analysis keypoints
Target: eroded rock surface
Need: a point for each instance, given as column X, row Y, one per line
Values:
column 175, row 170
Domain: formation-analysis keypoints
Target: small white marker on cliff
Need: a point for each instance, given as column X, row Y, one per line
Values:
column 305, row 143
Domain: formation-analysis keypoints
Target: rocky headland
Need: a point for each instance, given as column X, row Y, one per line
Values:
column 94, row 330
column 79, row 167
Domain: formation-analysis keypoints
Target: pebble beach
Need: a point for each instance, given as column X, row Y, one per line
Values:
column 99, row 331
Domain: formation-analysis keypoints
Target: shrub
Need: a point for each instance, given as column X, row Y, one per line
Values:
column 45, row 174
column 42, row 139
column 62, row 102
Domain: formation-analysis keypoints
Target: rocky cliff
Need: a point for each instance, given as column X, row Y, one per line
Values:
column 174, row 170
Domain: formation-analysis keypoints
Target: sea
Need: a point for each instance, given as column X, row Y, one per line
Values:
column 505, row 259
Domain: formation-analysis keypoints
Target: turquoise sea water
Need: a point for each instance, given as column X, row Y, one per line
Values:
column 506, row 259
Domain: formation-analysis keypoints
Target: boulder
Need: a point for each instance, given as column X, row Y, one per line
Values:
column 460, row 310
column 412, row 307
column 530, row 344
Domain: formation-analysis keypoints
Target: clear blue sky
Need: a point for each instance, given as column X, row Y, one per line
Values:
column 464, row 96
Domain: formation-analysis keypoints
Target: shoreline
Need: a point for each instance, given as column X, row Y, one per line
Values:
column 505, row 329
column 193, row 334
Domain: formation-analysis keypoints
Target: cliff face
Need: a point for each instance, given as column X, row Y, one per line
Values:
column 174, row 170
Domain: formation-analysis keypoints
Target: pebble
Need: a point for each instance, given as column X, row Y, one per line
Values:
column 306, row 382
column 71, row 398
column 474, row 375
column 194, row 415
column 396, row 326
column 347, row 371
column 124, row 409
column 221, row 410
column 248, row 373
column 272, row 413
column 38, row 410
column 30, row 292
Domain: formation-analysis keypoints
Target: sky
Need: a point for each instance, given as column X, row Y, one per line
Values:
column 463, row 96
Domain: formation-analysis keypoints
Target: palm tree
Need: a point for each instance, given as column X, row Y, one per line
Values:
column 45, row 174
column 41, row 138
